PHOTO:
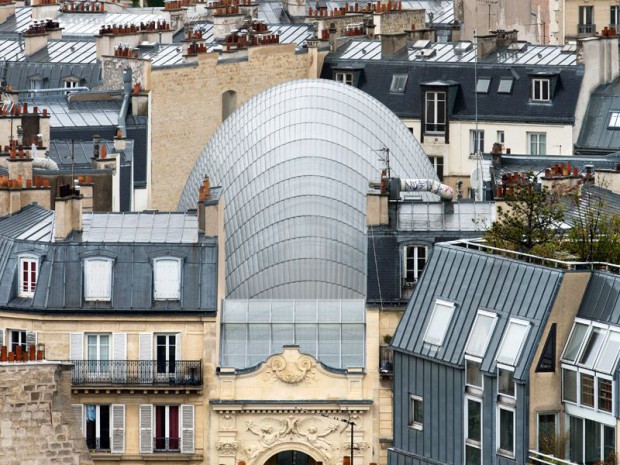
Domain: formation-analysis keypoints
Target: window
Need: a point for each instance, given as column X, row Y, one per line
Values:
column 28, row 271
column 506, row 431
column 537, row 143
column 17, row 339
column 591, row 442
column 97, row 429
column 547, row 432
column 166, row 428
column 435, row 112
column 541, row 89
column 614, row 15
column 505, row 85
column 592, row 347
column 345, row 78
column 546, row 363
column 439, row 322
column 437, row 163
column 166, row 353
column 513, row 341
column 36, row 83
column 416, row 412
column 98, row 279
column 70, row 83
column 98, row 353
column 476, row 141
column 586, row 390
column 415, row 260
column 586, row 17
column 473, row 431
column 399, row 82
column 473, row 375
column 609, row 353
column 614, row 119
column 570, row 386
column 483, row 85
column 505, row 382
column 167, row 278
column 575, row 341
column 480, row 334
column 605, row 394
column 500, row 137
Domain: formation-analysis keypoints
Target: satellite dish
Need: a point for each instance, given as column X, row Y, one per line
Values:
column 476, row 180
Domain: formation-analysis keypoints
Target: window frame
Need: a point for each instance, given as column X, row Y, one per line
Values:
column 473, row 389
column 503, row 396
column 107, row 296
column 504, row 80
column 21, row 261
column 499, row 450
column 538, row 142
column 344, row 77
column 614, row 119
column 438, row 165
column 22, row 340
column 540, row 86
column 399, row 83
column 572, row 369
column 500, row 137
column 476, row 141
column 416, row 269
column 179, row 270
column 435, row 118
column 556, row 425
column 445, row 303
column 614, row 15
column 483, row 85
column 414, row 422
column 98, row 423
column 467, row 440
column 512, row 321
column 485, row 314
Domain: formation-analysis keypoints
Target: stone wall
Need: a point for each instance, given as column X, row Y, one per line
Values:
column 37, row 423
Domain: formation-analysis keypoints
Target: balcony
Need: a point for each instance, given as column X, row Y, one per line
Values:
column 386, row 361
column 584, row 30
column 137, row 373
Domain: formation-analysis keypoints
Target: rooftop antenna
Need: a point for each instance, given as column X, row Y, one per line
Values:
column 476, row 181
column 386, row 160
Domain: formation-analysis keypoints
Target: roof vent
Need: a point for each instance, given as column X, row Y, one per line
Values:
column 426, row 53
column 419, row 44
column 518, row 46
column 569, row 48
column 463, row 46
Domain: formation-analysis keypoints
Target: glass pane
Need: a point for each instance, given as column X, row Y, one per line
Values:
column 572, row 348
column 609, row 353
column 474, row 377
column 546, row 433
column 505, row 383
column 480, row 335
column 418, row 411
column 587, row 390
column 592, row 347
column 472, row 455
column 505, row 86
column 604, row 394
column 576, row 440
column 438, row 325
column 506, row 430
column 473, row 420
column 592, row 442
column 512, row 343
column 570, row 385
column 609, row 444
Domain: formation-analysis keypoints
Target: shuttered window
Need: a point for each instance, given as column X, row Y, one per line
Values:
column 118, row 429
column 167, row 278
column 187, row 429
column 28, row 272
column 98, row 279
column 146, row 429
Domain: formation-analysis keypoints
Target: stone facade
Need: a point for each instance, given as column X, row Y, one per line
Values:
column 37, row 423
column 183, row 121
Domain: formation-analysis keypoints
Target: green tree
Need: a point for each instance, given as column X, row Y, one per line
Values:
column 531, row 221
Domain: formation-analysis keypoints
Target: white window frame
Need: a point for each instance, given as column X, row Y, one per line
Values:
column 30, row 287
column 89, row 287
column 434, row 118
column 503, row 452
column 480, row 313
column 540, row 86
column 399, row 83
column 344, row 77
column 579, row 371
column 614, row 119
column 504, row 337
column 597, row 393
column 577, row 391
column 416, row 269
column 502, row 80
column 413, row 421
column 501, row 137
column 437, row 303
column 467, row 441
column 23, row 339
column 476, row 141
column 556, row 424
column 537, row 143
column 570, row 336
column 160, row 293
column 483, row 85
column 70, row 83
column 502, row 395
column 472, row 388
column 614, row 15
column 593, row 327
column 610, row 333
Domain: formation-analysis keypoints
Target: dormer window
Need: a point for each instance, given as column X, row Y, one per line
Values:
column 98, row 279
column 505, row 85
column 439, row 322
column 541, row 89
column 28, row 273
column 345, row 78
column 167, row 278
column 483, row 85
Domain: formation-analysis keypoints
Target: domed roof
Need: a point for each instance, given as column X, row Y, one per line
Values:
column 294, row 164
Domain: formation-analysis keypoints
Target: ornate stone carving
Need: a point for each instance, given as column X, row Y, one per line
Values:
column 289, row 370
column 227, row 448
column 227, row 422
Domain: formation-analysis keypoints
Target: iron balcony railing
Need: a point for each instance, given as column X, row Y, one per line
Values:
column 98, row 444
column 166, row 444
column 586, row 29
column 136, row 372
column 386, row 360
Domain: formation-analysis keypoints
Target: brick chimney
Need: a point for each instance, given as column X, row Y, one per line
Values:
column 393, row 43
column 68, row 211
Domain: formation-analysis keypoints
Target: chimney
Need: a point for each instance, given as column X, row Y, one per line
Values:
column 6, row 10
column 496, row 152
column 505, row 38
column 486, row 45
column 333, row 38
column 371, row 28
column 393, row 43
column 455, row 32
column 35, row 39
column 68, row 211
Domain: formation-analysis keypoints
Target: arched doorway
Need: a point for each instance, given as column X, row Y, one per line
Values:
column 290, row 457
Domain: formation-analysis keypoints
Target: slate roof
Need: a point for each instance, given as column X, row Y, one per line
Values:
column 95, row 113
column 61, row 152
column 475, row 280
column 538, row 163
column 597, row 134
column 59, row 284
column 33, row 222
column 449, row 68
column 601, row 301
column 594, row 198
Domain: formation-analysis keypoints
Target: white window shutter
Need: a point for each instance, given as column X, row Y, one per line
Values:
column 167, row 279
column 119, row 353
column 1, row 337
column 146, row 346
column 177, row 347
column 31, row 339
column 76, row 350
column 187, row 429
column 97, row 279
column 118, row 429
column 78, row 411
column 146, row 429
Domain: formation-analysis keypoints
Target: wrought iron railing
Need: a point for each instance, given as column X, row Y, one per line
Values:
column 95, row 443
column 586, row 28
column 166, row 444
column 386, row 360
column 136, row 372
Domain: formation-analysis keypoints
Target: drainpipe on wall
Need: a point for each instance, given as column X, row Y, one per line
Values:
column 126, row 96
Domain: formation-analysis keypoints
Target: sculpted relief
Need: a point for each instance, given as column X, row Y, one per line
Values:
column 291, row 370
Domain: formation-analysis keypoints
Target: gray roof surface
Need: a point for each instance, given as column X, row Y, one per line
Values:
column 33, row 222
column 146, row 227
column 597, row 135
column 594, row 198
column 601, row 301
column 61, row 152
column 272, row 12
column 538, row 163
column 93, row 113
column 475, row 280
column 19, row 73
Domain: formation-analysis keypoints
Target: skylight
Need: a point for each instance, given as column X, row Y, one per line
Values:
column 609, row 354
column 592, row 347
column 480, row 334
column 482, row 87
column 505, row 85
column 439, row 322
column 614, row 119
column 399, row 81
column 575, row 341
column 513, row 341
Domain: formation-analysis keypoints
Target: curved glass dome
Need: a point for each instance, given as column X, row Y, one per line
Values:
column 294, row 164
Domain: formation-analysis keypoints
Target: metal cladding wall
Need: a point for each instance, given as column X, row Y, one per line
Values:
column 294, row 163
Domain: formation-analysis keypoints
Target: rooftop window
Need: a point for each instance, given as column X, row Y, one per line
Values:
column 614, row 119
column 513, row 341
column 480, row 334
column 399, row 82
column 483, row 85
column 505, row 85
column 593, row 346
column 439, row 322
